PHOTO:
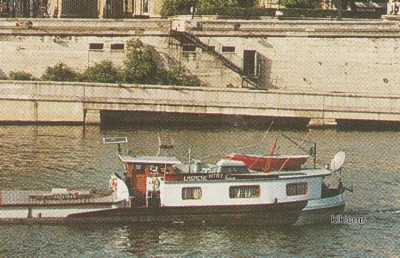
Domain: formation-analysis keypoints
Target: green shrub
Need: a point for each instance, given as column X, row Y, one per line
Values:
column 175, row 7
column 60, row 72
column 21, row 76
column 141, row 64
column 319, row 13
column 239, row 12
column 228, row 8
column 179, row 75
column 310, row 4
column 144, row 65
column 104, row 72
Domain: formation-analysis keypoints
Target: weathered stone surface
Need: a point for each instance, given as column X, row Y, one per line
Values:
column 82, row 102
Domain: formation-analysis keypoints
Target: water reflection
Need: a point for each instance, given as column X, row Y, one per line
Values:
column 219, row 241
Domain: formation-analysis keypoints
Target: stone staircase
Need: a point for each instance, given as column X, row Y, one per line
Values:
column 185, row 37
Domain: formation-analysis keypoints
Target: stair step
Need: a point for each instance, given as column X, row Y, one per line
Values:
column 185, row 37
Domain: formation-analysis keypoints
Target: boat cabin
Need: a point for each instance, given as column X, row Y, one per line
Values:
column 139, row 168
column 231, row 166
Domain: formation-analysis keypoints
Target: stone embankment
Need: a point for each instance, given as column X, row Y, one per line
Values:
column 83, row 103
column 322, row 70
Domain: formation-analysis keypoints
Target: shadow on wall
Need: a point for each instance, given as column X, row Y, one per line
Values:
column 265, row 79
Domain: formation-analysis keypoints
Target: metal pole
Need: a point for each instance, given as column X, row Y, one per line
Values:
column 315, row 155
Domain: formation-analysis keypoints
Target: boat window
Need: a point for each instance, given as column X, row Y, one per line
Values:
column 139, row 169
column 296, row 189
column 191, row 193
column 244, row 191
column 154, row 169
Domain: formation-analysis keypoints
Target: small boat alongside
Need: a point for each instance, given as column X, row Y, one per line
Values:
column 58, row 203
column 267, row 162
column 331, row 200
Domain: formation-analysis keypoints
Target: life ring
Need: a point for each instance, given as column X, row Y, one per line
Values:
column 114, row 184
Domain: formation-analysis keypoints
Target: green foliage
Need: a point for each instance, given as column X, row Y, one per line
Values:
column 105, row 72
column 215, row 4
column 181, row 7
column 175, row 7
column 301, row 3
column 226, row 8
column 140, row 64
column 60, row 72
column 143, row 65
column 240, row 12
column 319, row 13
column 21, row 76
column 178, row 75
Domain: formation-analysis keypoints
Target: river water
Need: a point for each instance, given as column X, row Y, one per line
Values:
column 44, row 157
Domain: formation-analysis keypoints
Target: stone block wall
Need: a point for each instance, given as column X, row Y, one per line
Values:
column 325, row 56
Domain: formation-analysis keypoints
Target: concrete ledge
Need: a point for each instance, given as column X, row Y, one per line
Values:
column 322, row 123
column 84, row 27
column 82, row 102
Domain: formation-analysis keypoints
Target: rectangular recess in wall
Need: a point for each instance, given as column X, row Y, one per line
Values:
column 96, row 46
column 117, row 46
column 188, row 48
column 211, row 48
column 228, row 49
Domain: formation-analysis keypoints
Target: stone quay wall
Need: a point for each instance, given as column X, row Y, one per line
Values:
column 50, row 102
column 306, row 55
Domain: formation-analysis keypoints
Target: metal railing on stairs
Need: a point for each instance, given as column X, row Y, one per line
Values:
column 188, row 38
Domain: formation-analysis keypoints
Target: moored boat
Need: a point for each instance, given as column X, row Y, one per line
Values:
column 161, row 190
column 164, row 190
column 56, row 204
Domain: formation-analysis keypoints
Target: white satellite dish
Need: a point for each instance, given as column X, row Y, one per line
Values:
column 338, row 160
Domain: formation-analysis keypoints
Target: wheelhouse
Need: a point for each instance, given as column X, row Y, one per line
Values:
column 139, row 168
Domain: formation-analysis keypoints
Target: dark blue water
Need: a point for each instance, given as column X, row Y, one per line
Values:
column 45, row 157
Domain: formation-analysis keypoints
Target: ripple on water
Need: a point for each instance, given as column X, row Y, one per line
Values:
column 44, row 157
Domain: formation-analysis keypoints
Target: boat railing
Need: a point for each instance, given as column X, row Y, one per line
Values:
column 46, row 197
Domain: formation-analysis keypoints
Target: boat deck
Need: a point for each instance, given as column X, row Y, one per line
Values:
column 28, row 198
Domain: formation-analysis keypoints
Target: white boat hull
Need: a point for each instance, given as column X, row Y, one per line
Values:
column 321, row 210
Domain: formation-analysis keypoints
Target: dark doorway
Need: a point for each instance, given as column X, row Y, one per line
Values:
column 115, row 9
column 79, row 9
column 250, row 63
column 21, row 8
column 4, row 8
